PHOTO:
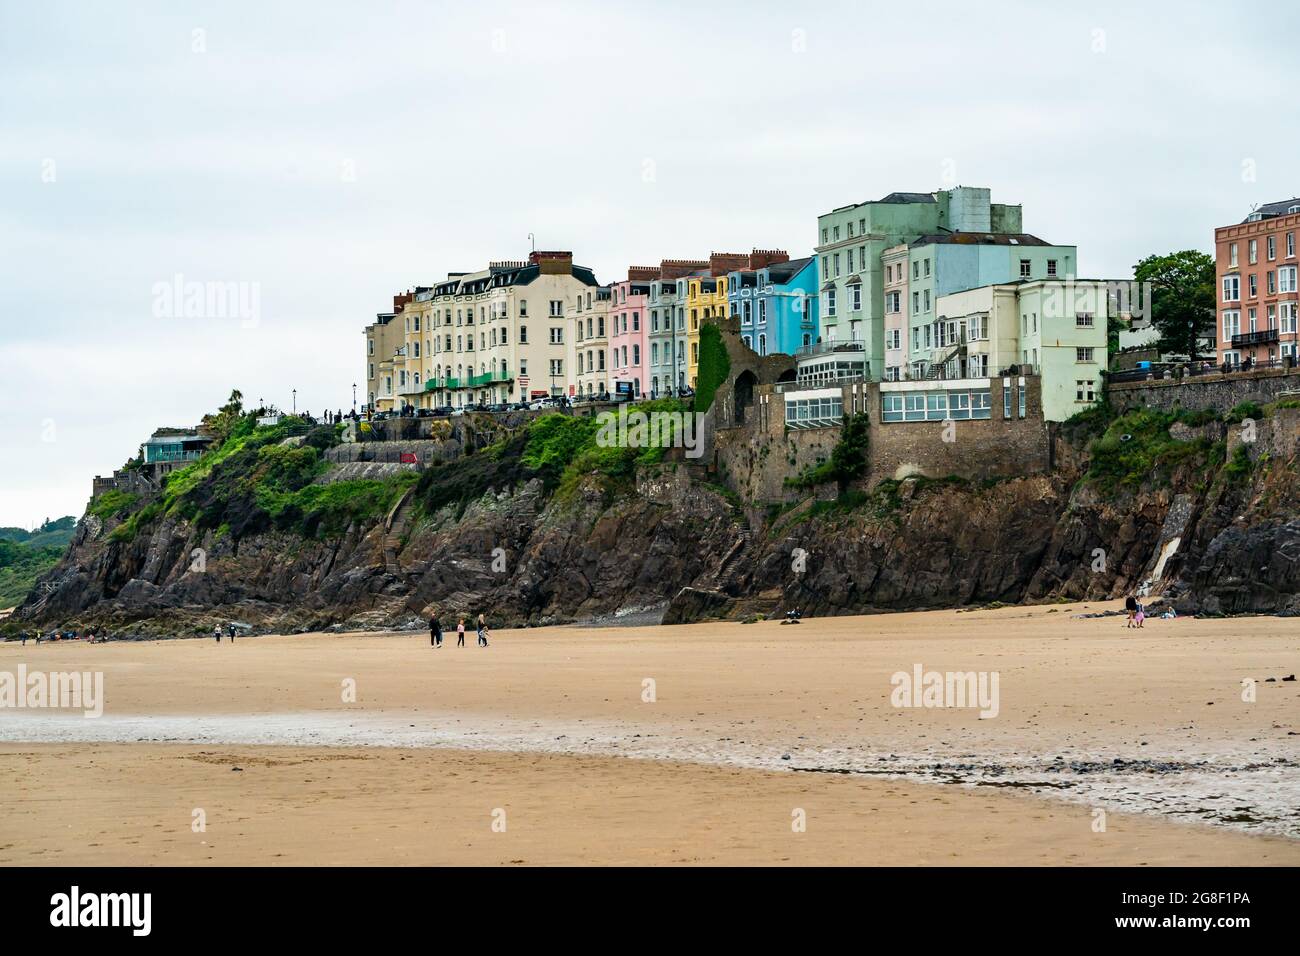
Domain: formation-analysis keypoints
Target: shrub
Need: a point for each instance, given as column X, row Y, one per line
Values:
column 1242, row 411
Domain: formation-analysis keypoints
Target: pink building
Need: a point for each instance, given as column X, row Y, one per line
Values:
column 628, row 327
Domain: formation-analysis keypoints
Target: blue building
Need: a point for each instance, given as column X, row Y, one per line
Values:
column 776, row 305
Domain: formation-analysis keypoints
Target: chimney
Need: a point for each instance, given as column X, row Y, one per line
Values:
column 720, row 263
column 671, row 269
column 642, row 273
column 552, row 263
column 400, row 300
column 762, row 258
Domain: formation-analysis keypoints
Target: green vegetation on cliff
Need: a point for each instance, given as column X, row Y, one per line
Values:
column 254, row 481
column 1136, row 449
column 26, row 555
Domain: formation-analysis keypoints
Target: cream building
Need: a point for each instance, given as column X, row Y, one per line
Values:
column 497, row 335
column 588, row 357
column 385, row 358
column 1052, row 328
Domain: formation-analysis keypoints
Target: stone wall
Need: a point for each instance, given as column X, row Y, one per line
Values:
column 1221, row 391
column 985, row 448
column 756, row 456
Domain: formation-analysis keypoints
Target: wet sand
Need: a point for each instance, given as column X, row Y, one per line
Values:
column 748, row 722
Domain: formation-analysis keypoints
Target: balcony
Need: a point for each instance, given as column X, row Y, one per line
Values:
column 824, row 348
column 487, row 378
column 1247, row 339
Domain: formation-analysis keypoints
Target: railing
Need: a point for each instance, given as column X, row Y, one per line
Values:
column 1196, row 369
column 1254, row 338
column 153, row 455
column 822, row 348
column 487, row 378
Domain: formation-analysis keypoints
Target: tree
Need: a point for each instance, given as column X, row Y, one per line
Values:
column 1182, row 297
column 848, row 461
column 224, row 420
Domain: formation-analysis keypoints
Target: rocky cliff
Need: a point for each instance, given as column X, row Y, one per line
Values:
column 534, row 525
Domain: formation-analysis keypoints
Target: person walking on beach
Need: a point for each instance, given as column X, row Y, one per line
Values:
column 1140, row 615
column 435, row 629
column 216, row 632
column 460, row 633
column 482, row 641
column 483, row 635
column 1131, row 606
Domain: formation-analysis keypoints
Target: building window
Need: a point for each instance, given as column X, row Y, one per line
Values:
column 1231, row 324
column 830, row 302
column 1252, row 285
column 557, row 335
column 1024, row 269
column 1232, row 256
column 1051, row 268
column 1232, row 288
column 855, row 298
column 557, row 308
column 1290, row 245
column 1083, row 320
column 1286, row 279
column 1288, row 317
column 1083, row 390
column 1083, row 354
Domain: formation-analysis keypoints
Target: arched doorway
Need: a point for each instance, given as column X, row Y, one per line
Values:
column 743, row 394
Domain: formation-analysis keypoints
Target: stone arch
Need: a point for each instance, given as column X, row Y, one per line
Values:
column 743, row 394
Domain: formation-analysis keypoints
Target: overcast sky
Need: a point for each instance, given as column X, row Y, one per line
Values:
column 329, row 155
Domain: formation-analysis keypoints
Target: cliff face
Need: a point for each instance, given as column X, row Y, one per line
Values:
column 1214, row 528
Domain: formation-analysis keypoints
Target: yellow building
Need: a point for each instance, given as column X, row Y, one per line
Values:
column 706, row 300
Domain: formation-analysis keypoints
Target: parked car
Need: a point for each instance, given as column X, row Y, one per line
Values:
column 444, row 410
column 550, row 401
column 424, row 413
column 499, row 407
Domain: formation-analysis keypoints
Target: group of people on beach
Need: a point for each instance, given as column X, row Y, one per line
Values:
column 435, row 631
column 56, row 635
column 1137, row 612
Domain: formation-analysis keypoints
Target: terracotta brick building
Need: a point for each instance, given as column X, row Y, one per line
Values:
column 1256, row 266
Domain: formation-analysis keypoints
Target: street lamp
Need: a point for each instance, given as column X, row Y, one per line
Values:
column 354, row 397
column 295, row 401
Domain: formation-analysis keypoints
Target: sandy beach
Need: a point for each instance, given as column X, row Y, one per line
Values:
column 702, row 744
